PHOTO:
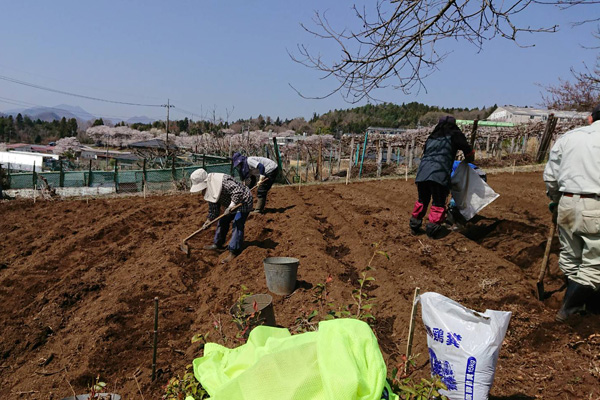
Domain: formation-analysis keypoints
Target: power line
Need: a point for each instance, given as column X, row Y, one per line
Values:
column 33, row 85
column 26, row 104
column 83, row 87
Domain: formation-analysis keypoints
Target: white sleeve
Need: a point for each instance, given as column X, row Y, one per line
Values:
column 551, row 172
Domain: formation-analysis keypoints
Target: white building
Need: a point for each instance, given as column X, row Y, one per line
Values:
column 523, row 115
column 25, row 161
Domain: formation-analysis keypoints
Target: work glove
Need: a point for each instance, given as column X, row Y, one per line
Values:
column 229, row 209
column 261, row 179
column 206, row 224
column 552, row 206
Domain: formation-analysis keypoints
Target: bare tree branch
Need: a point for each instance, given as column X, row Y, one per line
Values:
column 401, row 42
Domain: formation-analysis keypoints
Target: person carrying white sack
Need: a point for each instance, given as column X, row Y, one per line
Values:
column 572, row 177
column 222, row 190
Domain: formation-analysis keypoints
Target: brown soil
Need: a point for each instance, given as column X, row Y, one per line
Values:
column 78, row 279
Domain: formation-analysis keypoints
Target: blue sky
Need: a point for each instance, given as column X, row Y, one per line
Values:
column 232, row 56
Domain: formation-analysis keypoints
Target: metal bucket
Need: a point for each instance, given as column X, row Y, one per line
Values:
column 281, row 274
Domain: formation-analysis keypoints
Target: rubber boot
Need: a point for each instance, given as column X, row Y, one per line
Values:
column 433, row 230
column 592, row 305
column 214, row 247
column 574, row 300
column 415, row 224
column 230, row 257
column 260, row 205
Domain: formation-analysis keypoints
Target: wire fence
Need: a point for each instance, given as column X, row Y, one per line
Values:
column 119, row 180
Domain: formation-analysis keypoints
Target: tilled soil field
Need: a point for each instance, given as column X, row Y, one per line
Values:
column 78, row 279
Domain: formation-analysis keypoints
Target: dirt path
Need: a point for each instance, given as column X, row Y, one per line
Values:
column 77, row 283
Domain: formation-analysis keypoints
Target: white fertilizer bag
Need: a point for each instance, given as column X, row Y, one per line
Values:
column 469, row 191
column 463, row 345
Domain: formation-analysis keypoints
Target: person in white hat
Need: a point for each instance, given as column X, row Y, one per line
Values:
column 222, row 190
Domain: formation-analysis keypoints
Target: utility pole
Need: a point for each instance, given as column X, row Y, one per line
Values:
column 168, row 106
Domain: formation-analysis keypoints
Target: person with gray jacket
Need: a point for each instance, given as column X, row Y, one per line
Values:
column 572, row 177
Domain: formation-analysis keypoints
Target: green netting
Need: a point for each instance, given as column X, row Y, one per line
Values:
column 101, row 178
column 127, row 181
column 21, row 181
column 53, row 178
column 75, row 179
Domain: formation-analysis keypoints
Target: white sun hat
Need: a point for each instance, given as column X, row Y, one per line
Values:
column 198, row 179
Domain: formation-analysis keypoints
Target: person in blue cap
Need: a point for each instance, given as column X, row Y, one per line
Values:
column 257, row 169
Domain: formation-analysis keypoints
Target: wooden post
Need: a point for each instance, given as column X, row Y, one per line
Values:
column 298, row 165
column 474, row 133
column 61, row 174
column 307, row 160
column 499, row 148
column 340, row 157
column 319, row 173
column 155, row 338
column 389, row 153
column 411, row 155
column 411, row 329
column 397, row 155
column 406, row 172
column 487, row 146
column 512, row 145
column 330, row 167
column 379, row 158
column 116, row 177
column 144, row 173
column 546, row 139
column 90, row 179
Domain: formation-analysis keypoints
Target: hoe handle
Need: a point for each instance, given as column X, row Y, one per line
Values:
column 547, row 252
column 209, row 224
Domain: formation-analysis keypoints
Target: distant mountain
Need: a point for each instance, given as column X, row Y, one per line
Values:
column 51, row 113
column 64, row 110
column 139, row 120
column 79, row 112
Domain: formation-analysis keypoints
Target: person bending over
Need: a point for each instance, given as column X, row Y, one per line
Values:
column 222, row 190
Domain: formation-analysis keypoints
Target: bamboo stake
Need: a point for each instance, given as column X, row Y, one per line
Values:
column 411, row 329
column 514, row 164
column 155, row 338
column 406, row 172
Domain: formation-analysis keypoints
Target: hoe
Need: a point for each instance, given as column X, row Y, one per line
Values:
column 541, row 292
column 184, row 246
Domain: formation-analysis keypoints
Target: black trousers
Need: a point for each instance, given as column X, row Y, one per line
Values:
column 264, row 188
column 432, row 190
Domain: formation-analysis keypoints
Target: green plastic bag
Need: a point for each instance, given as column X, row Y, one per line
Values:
column 341, row 361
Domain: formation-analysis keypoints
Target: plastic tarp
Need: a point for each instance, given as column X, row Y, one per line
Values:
column 470, row 193
column 340, row 361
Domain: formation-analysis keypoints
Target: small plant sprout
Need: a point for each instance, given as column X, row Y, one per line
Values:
column 180, row 388
column 305, row 322
column 243, row 320
column 96, row 388
column 200, row 339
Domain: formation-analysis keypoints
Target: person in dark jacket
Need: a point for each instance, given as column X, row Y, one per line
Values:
column 433, row 175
